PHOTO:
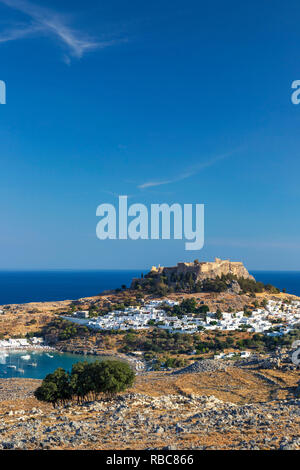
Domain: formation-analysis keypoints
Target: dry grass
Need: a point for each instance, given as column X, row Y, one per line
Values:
column 233, row 385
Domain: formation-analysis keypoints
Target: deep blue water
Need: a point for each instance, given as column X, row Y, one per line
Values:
column 289, row 280
column 46, row 363
column 34, row 286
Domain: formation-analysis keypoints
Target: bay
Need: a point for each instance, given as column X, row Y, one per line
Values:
column 37, row 364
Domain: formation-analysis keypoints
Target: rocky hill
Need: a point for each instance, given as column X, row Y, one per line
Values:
column 199, row 271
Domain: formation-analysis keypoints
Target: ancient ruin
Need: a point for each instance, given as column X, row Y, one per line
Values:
column 204, row 269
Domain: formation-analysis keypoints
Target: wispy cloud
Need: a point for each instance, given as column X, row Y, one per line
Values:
column 45, row 21
column 18, row 32
column 255, row 243
column 186, row 173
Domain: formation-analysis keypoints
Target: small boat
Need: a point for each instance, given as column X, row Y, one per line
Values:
column 26, row 357
column 49, row 355
column 11, row 367
column 33, row 364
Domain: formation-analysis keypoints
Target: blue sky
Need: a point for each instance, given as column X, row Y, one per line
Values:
column 185, row 102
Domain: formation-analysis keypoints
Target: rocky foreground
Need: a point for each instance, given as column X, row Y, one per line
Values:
column 138, row 421
column 162, row 411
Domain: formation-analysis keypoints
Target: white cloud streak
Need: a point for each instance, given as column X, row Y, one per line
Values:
column 255, row 243
column 19, row 32
column 186, row 173
column 45, row 21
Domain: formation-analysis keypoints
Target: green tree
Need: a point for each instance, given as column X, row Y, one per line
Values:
column 55, row 388
column 47, row 392
column 80, row 381
column 112, row 377
column 86, row 381
column 203, row 309
column 219, row 315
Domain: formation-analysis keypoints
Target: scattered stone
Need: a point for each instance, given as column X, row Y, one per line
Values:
column 205, row 365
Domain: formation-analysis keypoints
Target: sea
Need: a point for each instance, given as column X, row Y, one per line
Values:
column 17, row 287
column 37, row 364
column 288, row 280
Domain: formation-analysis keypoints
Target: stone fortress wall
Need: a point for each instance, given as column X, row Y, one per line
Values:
column 205, row 269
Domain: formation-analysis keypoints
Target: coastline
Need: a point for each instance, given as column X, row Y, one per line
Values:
column 27, row 348
column 138, row 364
column 110, row 354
